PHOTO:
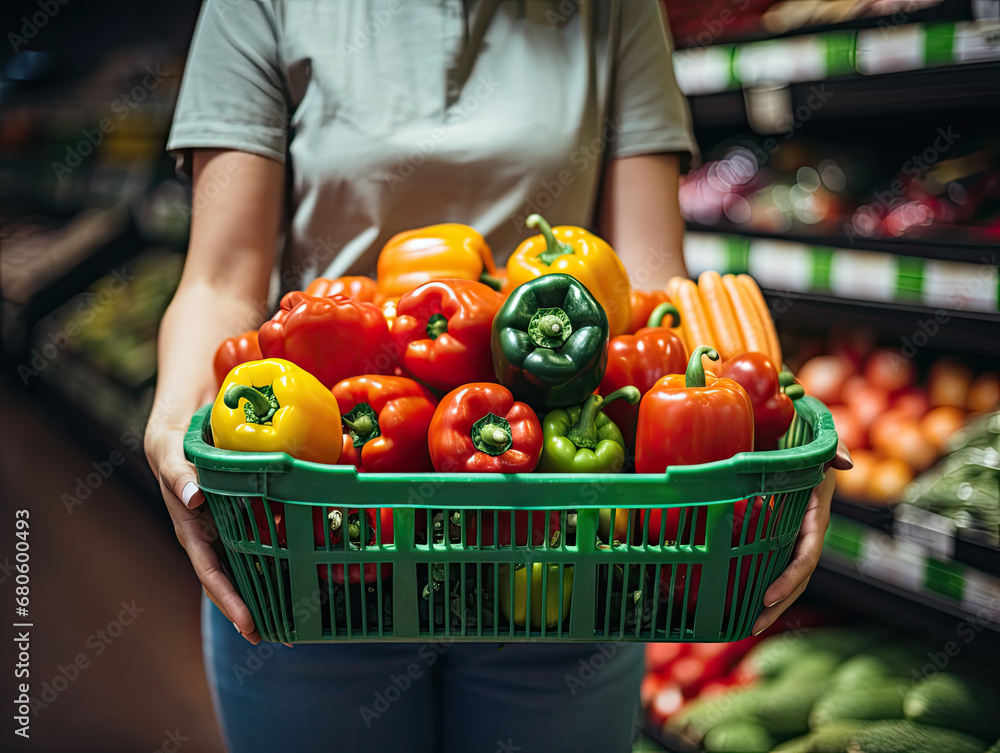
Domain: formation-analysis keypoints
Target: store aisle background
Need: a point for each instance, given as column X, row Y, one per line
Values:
column 115, row 552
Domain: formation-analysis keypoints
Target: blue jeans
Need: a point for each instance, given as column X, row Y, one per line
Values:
column 420, row 698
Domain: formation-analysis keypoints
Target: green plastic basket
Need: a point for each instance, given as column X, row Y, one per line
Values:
column 448, row 571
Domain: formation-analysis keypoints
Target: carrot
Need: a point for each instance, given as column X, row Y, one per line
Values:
column 773, row 351
column 746, row 316
column 720, row 314
column 680, row 330
column 696, row 324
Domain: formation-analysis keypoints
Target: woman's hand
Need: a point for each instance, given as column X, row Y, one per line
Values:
column 808, row 547
column 193, row 522
column 223, row 291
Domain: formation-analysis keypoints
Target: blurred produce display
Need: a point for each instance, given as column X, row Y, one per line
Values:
column 99, row 348
column 843, row 191
column 965, row 486
column 697, row 25
column 896, row 422
column 843, row 689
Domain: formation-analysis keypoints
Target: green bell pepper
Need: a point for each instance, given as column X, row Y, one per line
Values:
column 550, row 342
column 582, row 439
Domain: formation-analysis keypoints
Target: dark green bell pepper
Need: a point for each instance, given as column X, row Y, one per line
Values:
column 550, row 342
column 581, row 439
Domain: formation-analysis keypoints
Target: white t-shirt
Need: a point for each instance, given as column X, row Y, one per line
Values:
column 395, row 114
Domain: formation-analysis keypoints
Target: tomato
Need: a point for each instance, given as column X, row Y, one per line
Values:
column 949, row 382
column 823, row 377
column 866, row 401
column 889, row 477
column 984, row 394
column 911, row 401
column 889, row 369
column 910, row 445
column 940, row 424
column 853, row 484
column 848, row 427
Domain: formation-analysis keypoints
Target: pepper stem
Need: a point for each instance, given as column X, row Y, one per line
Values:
column 550, row 328
column 491, row 434
column 656, row 318
column 494, row 435
column 491, row 281
column 437, row 325
column 584, row 433
column 362, row 422
column 261, row 403
column 695, row 374
column 555, row 247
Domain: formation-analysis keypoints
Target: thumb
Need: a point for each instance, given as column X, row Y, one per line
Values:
column 842, row 460
column 179, row 477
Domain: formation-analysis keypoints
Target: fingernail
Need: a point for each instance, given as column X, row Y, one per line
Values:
column 773, row 603
column 188, row 492
column 237, row 628
column 759, row 631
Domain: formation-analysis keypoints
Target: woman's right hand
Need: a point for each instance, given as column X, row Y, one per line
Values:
column 193, row 523
column 223, row 291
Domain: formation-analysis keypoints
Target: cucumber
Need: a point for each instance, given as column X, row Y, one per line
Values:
column 863, row 670
column 946, row 700
column 880, row 701
column 896, row 736
column 699, row 716
column 738, row 736
column 796, row 745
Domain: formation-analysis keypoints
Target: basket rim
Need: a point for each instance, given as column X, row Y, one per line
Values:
column 802, row 467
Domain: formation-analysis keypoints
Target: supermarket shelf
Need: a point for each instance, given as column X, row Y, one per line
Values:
column 971, row 332
column 970, row 253
column 864, row 556
column 963, row 550
column 952, row 87
column 948, row 10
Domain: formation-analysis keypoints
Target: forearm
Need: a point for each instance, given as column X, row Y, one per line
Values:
column 224, row 288
column 640, row 216
column 199, row 318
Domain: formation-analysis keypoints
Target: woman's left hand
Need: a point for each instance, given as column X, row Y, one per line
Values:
column 793, row 581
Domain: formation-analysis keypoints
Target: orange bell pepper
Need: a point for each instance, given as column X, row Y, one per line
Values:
column 580, row 254
column 449, row 251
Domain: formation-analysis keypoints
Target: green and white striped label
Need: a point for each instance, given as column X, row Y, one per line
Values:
column 880, row 559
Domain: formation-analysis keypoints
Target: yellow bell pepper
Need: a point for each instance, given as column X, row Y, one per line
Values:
column 449, row 251
column 275, row 406
column 580, row 254
column 556, row 610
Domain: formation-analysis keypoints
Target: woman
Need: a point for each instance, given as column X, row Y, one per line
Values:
column 336, row 125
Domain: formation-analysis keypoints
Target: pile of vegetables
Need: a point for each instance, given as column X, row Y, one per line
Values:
column 895, row 425
column 853, row 689
column 965, row 486
column 446, row 363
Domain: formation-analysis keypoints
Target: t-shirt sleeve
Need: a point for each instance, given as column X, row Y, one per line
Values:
column 651, row 114
column 234, row 94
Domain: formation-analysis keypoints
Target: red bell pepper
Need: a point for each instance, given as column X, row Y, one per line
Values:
column 332, row 338
column 442, row 332
column 686, row 420
column 772, row 408
column 691, row 419
column 356, row 288
column 640, row 360
column 479, row 428
column 644, row 303
column 234, row 351
column 386, row 421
